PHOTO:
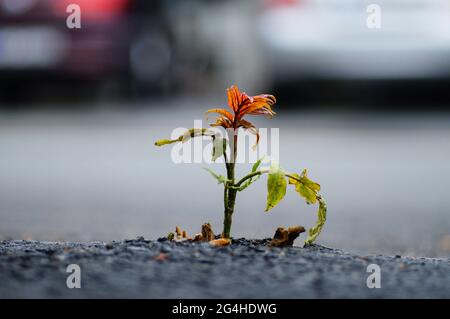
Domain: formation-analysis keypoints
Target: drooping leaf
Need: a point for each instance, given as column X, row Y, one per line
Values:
column 165, row 142
column 321, row 218
column 220, row 178
column 304, row 179
column 251, row 128
column 193, row 132
column 294, row 181
column 309, row 183
column 219, row 147
column 222, row 112
column 276, row 186
column 307, row 193
column 305, row 187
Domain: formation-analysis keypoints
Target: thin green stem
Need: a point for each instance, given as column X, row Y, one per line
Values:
column 246, row 177
column 230, row 193
column 256, row 173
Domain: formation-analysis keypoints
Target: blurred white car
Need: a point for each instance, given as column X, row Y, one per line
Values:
column 331, row 39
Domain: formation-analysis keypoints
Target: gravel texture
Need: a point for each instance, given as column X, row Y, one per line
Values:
column 246, row 269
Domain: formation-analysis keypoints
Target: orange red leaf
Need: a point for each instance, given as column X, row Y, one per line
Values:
column 242, row 104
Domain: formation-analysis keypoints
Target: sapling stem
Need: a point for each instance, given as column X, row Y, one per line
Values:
column 229, row 192
column 250, row 175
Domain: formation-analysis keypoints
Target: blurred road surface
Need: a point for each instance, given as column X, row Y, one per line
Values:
column 96, row 175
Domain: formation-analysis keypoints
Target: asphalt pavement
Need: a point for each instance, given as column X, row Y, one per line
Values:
column 247, row 269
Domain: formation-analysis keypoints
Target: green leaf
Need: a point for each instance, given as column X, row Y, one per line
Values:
column 220, row 178
column 321, row 218
column 276, row 187
column 219, row 147
column 257, row 164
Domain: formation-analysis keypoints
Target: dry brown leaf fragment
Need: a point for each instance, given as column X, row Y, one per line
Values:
column 178, row 231
column 285, row 237
column 198, row 237
column 221, row 242
column 294, row 232
column 281, row 235
column 207, row 232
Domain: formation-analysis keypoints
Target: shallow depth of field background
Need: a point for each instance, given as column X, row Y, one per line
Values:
column 365, row 110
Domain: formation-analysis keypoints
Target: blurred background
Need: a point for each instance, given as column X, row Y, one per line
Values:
column 366, row 110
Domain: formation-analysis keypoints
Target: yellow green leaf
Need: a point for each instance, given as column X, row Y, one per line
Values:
column 276, row 187
column 307, row 193
column 309, row 183
column 321, row 218
column 292, row 180
column 193, row 132
column 165, row 142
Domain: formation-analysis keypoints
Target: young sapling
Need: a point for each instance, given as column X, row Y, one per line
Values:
column 242, row 104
